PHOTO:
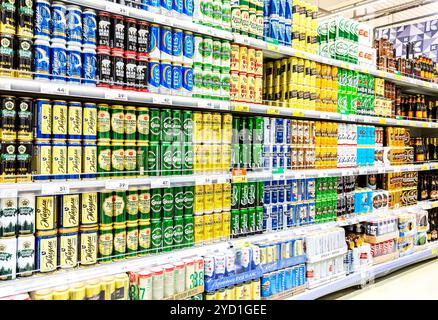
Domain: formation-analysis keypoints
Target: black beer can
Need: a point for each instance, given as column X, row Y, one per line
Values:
column 141, row 77
column 24, row 160
column 104, row 30
column 25, row 109
column 8, row 118
column 104, row 74
column 118, row 32
column 24, row 57
column 118, row 67
column 130, row 70
column 143, row 37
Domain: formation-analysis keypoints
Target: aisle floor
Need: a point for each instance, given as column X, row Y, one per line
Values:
column 417, row 282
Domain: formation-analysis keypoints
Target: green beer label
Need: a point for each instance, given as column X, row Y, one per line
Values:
column 235, row 196
column 130, row 124
column 166, row 126
column 167, row 234
column 251, row 194
column 155, row 125
column 177, row 158
column 144, row 204
column 251, row 220
column 188, row 200
column 188, row 231
column 105, row 243
column 143, row 125
column 156, row 234
column 235, row 222
column 216, row 82
column 130, row 160
column 243, row 220
column 178, row 232
column 132, row 205
column 119, row 202
column 118, row 158
column 103, row 123
column 117, row 123
column 166, row 164
column 188, row 159
column 104, row 158
column 187, row 126
column 176, row 125
column 153, row 159
column 178, row 201
column 167, row 203
column 156, row 202
column 106, row 208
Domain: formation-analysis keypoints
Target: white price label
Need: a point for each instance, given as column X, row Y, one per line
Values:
column 53, row 88
column 116, row 185
column 278, row 176
column 206, row 104
column 381, row 170
column 111, row 7
column 10, row 193
column 162, row 99
column 160, row 183
column 224, row 106
column 324, row 115
column 116, row 95
column 347, row 173
column 5, row 85
column 200, row 181
column 221, row 180
column 54, row 188
column 163, row 20
column 299, row 175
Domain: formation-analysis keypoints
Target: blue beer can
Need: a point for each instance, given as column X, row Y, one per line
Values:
column 267, row 193
column 165, row 76
column 59, row 23
column 311, row 212
column 144, row 4
column 154, row 41
column 274, row 283
column 266, row 286
column 294, row 190
column 288, row 131
column 154, row 75
column 289, row 217
column 281, row 281
column 281, row 31
column 274, row 192
column 177, row 45
column 280, row 155
column 274, row 217
column 44, row 117
column 43, row 160
column 279, row 130
column 42, row 59
column 288, row 157
column 74, row 64
column 89, row 66
column 288, row 278
column 266, row 8
column 58, row 57
column 166, row 7
column 166, row 43
column 42, row 20
column 188, row 46
column 74, row 24
column 187, row 79
column 177, row 77
column 280, row 216
column 274, row 7
column 266, row 28
column 288, row 9
column 288, row 187
column 178, row 7
column 89, row 24
column 294, row 276
column 188, row 6
column 274, row 28
column 281, row 193
column 287, row 33
column 274, row 159
column 282, row 8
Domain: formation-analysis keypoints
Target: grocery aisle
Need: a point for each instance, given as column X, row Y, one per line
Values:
column 417, row 282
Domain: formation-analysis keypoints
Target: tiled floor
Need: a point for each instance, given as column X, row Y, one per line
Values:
column 417, row 282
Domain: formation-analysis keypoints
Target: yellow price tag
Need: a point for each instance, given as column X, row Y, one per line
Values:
column 411, row 123
column 435, row 125
column 382, row 121
column 381, row 74
column 397, row 77
column 297, row 113
column 299, row 55
column 240, row 179
column 424, row 124
column 272, row 110
column 345, row 66
column 434, row 204
column 364, row 70
column 424, row 167
column 399, row 122
column 435, row 166
column 241, row 108
column 273, row 47
column 434, row 251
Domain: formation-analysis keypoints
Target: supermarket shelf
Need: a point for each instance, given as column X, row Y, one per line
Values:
column 325, row 116
column 181, row 23
column 70, row 91
column 374, row 272
column 278, row 51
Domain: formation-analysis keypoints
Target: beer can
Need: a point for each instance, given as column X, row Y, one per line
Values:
column 119, row 242
column 198, row 229
column 132, row 239
column 144, row 237
column 74, row 160
column 156, row 235
column 46, row 249
column 42, row 19
column 117, row 123
column 105, row 243
column 144, row 204
column 69, row 206
column 25, row 255
column 59, row 160
column 90, row 121
column 188, row 231
column 68, row 248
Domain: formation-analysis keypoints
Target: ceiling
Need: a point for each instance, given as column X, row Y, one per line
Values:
column 381, row 13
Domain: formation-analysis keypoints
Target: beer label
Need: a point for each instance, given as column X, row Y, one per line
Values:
column 68, row 255
column 9, row 216
column 104, row 159
column 168, row 201
column 236, row 20
column 46, row 255
column 177, row 157
column 167, row 159
column 75, row 120
column 179, row 200
column 130, row 161
column 132, row 204
column 167, row 235
column 132, row 240
column 188, row 159
column 208, row 197
column 119, row 242
column 152, row 159
column 118, row 122
column 119, row 205
column 130, row 123
column 167, row 128
column 25, row 254
column 188, row 232
column 144, row 202
column 26, row 213
column 156, row 236
column 74, row 164
column 89, row 208
column 143, row 124
column 106, row 242
column 88, row 254
column 60, row 114
column 59, row 159
column 70, row 211
column 103, row 121
column 155, row 126
column 178, row 234
column 144, row 237
column 188, row 200
column 90, row 123
column 117, row 159
column 45, row 215
column 199, row 200
column 90, row 157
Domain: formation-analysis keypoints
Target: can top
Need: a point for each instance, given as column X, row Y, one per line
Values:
column 103, row 105
column 43, row 292
column 68, row 230
column 188, row 32
column 89, row 104
column 38, row 42
column 89, row 50
column 130, row 55
column 58, row 45
column 74, row 142
column 59, row 142
column 145, row 23
column 131, row 20
column 177, row 30
column 42, row 1
column 145, row 273
column 103, row 49
column 73, row 7
column 119, row 226
column 60, row 101
column 142, row 56
column 117, row 53
column 73, row 46
column 90, row 11
column 156, row 270
column 47, row 233
column 88, row 228
column 107, row 279
column 142, row 109
column 103, row 14
column 74, row 103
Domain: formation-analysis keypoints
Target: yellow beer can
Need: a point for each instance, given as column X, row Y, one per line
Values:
column 92, row 290
column 226, row 196
column 199, row 228
column 77, row 291
column 217, row 197
column 231, row 293
column 239, row 293
column 122, row 287
column 247, row 289
column 61, row 293
column 45, row 294
column 198, row 202
column 217, row 226
column 208, row 198
column 208, row 227
column 207, row 128
column 108, row 286
column 197, row 127
column 216, row 127
column 255, row 289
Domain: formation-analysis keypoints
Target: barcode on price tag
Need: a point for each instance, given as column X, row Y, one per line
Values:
column 116, row 95
column 206, row 104
column 160, row 183
column 54, row 89
column 111, row 7
column 278, row 176
column 161, row 99
column 54, row 188
column 10, row 193
column 116, row 185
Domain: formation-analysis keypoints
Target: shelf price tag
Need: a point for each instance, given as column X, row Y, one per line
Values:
column 424, row 167
column 434, row 251
column 116, row 95
column 411, row 123
column 111, row 7
column 399, row 122
column 381, row 74
column 397, row 77
column 160, row 183
column 435, row 165
column 380, row 170
column 206, row 104
column 424, row 124
column 299, row 55
column 382, row 121
column 239, row 176
column 241, row 108
column 161, row 99
column 54, row 188
column 221, row 180
column 203, row 180
column 278, row 174
column 5, row 85
column 9, row 193
column 51, row 88
column 297, row 113
column 273, row 47
column 116, row 185
column 273, row 110
column 224, row 106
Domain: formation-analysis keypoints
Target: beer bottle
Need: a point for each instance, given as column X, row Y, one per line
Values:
column 410, row 108
column 423, row 104
column 418, row 109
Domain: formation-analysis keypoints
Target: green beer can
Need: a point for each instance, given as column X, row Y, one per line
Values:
column 156, row 235
column 119, row 242
column 260, row 191
column 153, row 159
column 187, row 126
column 156, row 204
column 177, row 125
column 132, row 239
column 106, row 208
column 188, row 231
column 177, row 158
column 144, row 204
column 166, row 125
column 235, row 223
column 235, row 196
column 130, row 159
column 103, row 159
column 189, row 197
column 142, row 158
column 103, row 122
column 178, row 200
column 187, row 167
column 258, row 130
column 259, row 219
column 243, row 216
column 244, row 155
column 142, row 124
column 105, row 243
column 244, row 195
column 257, row 156
column 178, row 232
column 252, row 194
column 144, row 237
column 130, row 123
column 166, row 156
column 167, row 234
column 154, row 125
column 117, row 158
column 251, row 220
column 117, row 123
column 132, row 205
column 119, row 203
column 235, row 155
column 168, row 198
